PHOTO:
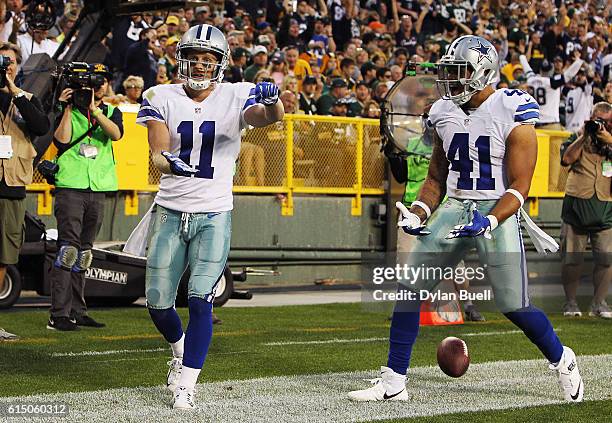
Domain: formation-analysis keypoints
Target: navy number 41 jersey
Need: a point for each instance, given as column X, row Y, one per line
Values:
column 475, row 144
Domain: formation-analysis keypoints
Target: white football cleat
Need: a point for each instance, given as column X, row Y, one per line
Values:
column 382, row 388
column 174, row 373
column 569, row 376
column 184, row 398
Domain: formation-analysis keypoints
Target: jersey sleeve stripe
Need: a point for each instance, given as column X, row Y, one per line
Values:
column 250, row 99
column 526, row 116
column 147, row 112
column 526, row 111
column 527, row 106
column 250, row 102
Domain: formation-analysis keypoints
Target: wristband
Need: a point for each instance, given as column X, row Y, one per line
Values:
column 96, row 112
column 493, row 220
column 19, row 95
column 517, row 194
column 423, row 206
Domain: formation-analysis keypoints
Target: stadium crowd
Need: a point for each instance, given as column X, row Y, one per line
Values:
column 340, row 57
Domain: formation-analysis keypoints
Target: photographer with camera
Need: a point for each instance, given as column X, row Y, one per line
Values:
column 21, row 119
column 84, row 137
column 587, row 211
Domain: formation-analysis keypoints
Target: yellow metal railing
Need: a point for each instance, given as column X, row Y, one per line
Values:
column 549, row 176
column 303, row 154
column 300, row 155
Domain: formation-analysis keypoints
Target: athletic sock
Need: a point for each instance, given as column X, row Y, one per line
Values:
column 168, row 323
column 403, row 333
column 178, row 347
column 536, row 326
column 198, row 334
column 189, row 377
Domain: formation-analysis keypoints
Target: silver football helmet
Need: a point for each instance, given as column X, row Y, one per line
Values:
column 202, row 38
column 469, row 65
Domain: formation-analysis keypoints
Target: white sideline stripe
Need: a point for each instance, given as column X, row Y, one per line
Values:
column 322, row 397
column 111, row 352
column 107, row 352
column 501, row 332
column 356, row 340
column 274, row 344
column 325, row 341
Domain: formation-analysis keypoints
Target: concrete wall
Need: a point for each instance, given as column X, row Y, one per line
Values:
column 320, row 241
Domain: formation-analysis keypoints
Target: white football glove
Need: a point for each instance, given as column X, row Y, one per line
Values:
column 410, row 222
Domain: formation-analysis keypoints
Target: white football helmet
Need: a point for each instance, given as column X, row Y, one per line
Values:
column 469, row 65
column 202, row 38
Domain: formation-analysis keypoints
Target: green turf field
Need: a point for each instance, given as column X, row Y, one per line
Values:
column 296, row 347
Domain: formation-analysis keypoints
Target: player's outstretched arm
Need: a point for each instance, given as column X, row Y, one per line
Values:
column 521, row 156
column 434, row 188
column 268, row 109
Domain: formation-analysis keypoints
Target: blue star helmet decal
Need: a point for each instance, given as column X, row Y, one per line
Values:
column 483, row 52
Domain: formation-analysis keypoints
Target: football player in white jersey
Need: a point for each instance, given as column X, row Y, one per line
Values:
column 483, row 158
column 547, row 88
column 194, row 136
column 578, row 101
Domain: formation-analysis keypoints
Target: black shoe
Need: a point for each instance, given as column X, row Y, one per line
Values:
column 61, row 323
column 473, row 315
column 216, row 320
column 87, row 321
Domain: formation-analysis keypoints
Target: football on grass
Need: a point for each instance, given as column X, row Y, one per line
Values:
column 453, row 357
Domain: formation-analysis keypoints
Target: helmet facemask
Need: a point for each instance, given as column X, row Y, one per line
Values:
column 456, row 81
column 200, row 74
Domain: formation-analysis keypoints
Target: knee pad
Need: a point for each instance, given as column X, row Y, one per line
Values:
column 83, row 261
column 66, row 257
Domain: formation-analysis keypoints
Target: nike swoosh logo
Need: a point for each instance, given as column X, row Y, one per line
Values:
column 575, row 396
column 385, row 396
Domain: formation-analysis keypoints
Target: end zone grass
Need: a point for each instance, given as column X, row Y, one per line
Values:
column 266, row 342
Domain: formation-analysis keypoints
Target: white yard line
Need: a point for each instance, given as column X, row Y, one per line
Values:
column 322, row 397
column 325, row 341
column 107, row 352
column 494, row 333
column 277, row 344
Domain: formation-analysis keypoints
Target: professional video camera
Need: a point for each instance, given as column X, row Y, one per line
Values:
column 591, row 128
column 82, row 78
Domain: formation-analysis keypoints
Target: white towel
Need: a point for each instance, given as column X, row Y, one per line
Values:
column 543, row 242
column 136, row 244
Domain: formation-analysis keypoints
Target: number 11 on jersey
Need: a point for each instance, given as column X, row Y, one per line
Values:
column 207, row 130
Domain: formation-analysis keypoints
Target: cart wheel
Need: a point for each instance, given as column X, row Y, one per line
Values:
column 11, row 290
column 225, row 288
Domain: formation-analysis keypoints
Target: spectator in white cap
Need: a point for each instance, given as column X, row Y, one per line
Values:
column 260, row 60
